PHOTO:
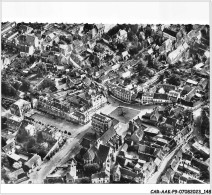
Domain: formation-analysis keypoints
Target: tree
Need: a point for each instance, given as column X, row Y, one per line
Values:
column 25, row 85
column 16, row 85
column 130, row 36
column 148, row 31
column 17, row 165
column 31, row 143
column 85, row 180
column 91, row 169
column 20, row 139
column 174, row 80
column 113, row 31
column 4, row 176
column 4, row 161
column 87, row 27
column 121, row 47
column 42, row 153
column 133, row 51
column 205, row 175
column 39, row 137
column 47, row 83
column 22, row 135
column 134, row 28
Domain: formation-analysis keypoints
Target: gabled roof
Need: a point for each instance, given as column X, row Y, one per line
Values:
column 21, row 102
column 128, row 173
column 160, row 96
column 171, row 121
column 121, row 160
column 27, row 39
column 22, row 175
column 99, row 26
column 170, row 32
column 16, row 173
column 137, row 135
column 85, row 143
column 33, row 160
column 103, row 152
column 101, row 116
column 146, row 149
column 8, row 147
column 138, row 121
column 108, row 135
column 185, row 103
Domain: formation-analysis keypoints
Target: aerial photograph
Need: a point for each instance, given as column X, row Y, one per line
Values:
column 105, row 103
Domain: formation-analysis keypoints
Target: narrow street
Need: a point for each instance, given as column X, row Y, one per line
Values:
column 154, row 178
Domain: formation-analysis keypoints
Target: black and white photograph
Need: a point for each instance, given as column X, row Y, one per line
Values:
column 105, row 103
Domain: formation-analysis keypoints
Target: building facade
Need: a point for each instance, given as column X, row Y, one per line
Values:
column 20, row 108
column 101, row 123
column 147, row 98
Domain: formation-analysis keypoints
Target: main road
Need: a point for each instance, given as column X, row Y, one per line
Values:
column 72, row 146
column 70, row 149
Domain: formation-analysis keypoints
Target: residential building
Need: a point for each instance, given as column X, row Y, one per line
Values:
column 98, row 30
column 130, row 175
column 34, row 161
column 30, row 129
column 14, row 123
column 9, row 149
column 26, row 50
column 161, row 98
column 7, row 27
column 188, row 105
column 110, row 137
column 97, row 102
column 123, row 93
column 63, row 110
column 15, row 175
column 20, row 108
column 175, row 55
column 101, row 123
column 169, row 34
column 100, row 178
column 147, row 98
column 25, row 29
column 28, row 40
column 174, row 95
